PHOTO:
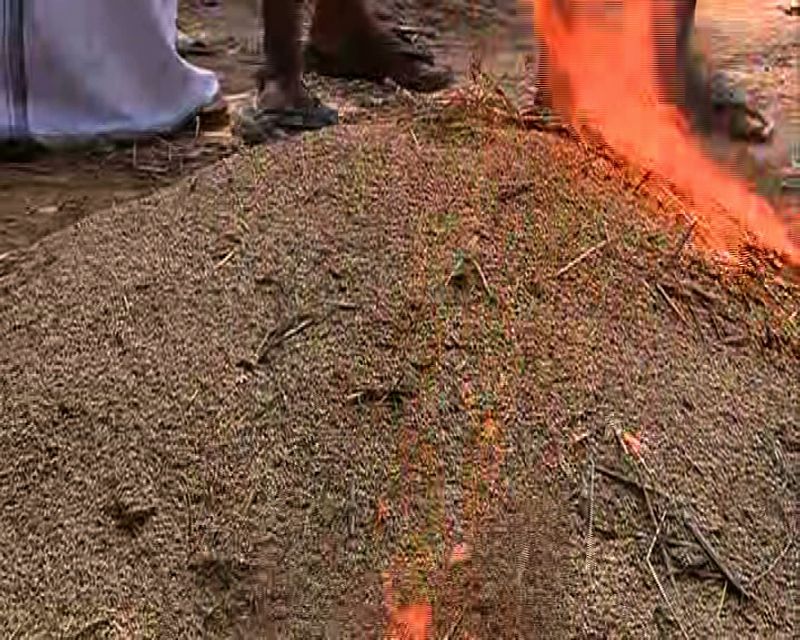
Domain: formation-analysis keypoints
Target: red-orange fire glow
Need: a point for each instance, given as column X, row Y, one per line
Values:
column 607, row 56
column 406, row 622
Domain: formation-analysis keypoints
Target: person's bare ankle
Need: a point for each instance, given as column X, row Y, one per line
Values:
column 275, row 95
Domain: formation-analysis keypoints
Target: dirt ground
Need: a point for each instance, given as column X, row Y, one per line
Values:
column 231, row 404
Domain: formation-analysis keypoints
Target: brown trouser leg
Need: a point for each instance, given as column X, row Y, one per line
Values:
column 335, row 20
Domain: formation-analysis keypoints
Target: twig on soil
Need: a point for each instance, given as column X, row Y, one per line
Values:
column 129, row 519
column 484, row 281
column 684, row 241
column 282, row 333
column 414, row 138
column 530, row 119
column 90, row 627
column 455, row 625
column 671, row 304
column 512, row 110
column 715, row 557
column 153, row 168
column 623, row 479
column 772, row 564
column 703, row 574
column 700, row 291
column 722, row 599
column 672, row 542
column 344, row 305
column 590, row 527
column 513, row 190
column 652, row 512
column 642, row 180
column 586, row 254
column 736, row 340
column 378, row 396
column 408, row 29
column 225, row 259
column 655, row 575
column 696, row 321
column 715, row 324
column 661, row 545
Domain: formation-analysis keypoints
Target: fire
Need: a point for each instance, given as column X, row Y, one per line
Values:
column 406, row 622
column 603, row 54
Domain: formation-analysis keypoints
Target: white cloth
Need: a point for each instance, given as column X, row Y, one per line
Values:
column 84, row 68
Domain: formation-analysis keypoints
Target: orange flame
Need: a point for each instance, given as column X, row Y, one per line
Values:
column 407, row 622
column 607, row 59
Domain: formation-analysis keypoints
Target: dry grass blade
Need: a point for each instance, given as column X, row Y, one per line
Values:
column 282, row 333
column 454, row 627
column 484, row 281
column 687, row 235
column 701, row 292
column 89, row 629
column 590, row 527
column 622, row 478
column 586, row 254
column 17, row 630
column 483, row 100
column 661, row 545
column 344, row 305
column 379, row 396
column 723, row 567
column 722, row 599
column 514, row 190
column 639, row 461
column 672, row 304
column 656, row 579
column 129, row 518
column 772, row 564
column 227, row 258
column 645, row 176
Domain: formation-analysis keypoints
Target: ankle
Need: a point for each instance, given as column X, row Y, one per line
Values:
column 278, row 94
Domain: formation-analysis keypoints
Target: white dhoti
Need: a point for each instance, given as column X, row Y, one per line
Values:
column 72, row 69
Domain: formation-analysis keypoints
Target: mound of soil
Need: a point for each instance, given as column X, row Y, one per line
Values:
column 418, row 351
column 227, row 408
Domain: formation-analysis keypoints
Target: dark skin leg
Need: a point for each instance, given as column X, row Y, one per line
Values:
column 338, row 26
column 692, row 94
column 279, row 80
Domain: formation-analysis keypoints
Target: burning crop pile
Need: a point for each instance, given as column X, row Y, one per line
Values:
column 603, row 61
column 603, row 75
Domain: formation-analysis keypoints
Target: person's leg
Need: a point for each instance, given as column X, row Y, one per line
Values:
column 711, row 99
column 282, row 55
column 693, row 94
column 347, row 40
column 283, row 102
